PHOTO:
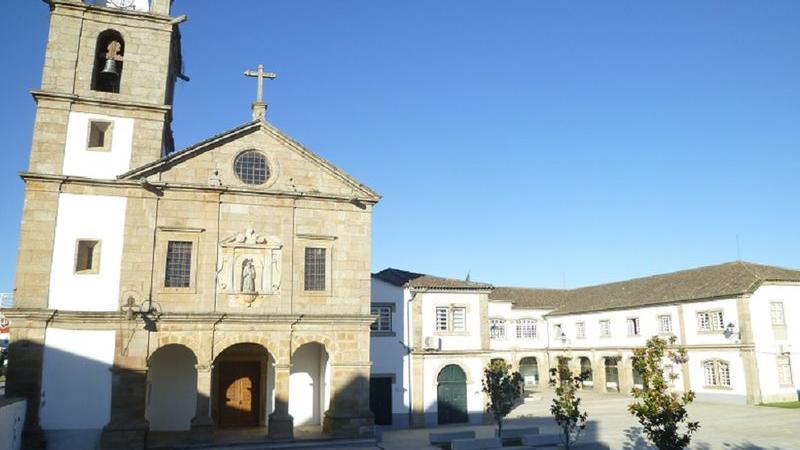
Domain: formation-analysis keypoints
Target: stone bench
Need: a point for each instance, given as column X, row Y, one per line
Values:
column 444, row 439
column 515, row 434
column 541, row 440
column 476, row 444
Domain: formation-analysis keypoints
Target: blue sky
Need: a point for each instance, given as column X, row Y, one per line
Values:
column 532, row 143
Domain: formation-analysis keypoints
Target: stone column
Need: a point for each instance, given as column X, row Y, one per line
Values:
column 349, row 413
column 625, row 369
column 599, row 375
column 202, row 423
column 281, row 424
column 127, row 428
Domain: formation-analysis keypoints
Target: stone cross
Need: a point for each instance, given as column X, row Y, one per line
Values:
column 259, row 107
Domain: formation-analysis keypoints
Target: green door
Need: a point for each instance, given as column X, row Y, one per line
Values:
column 452, row 395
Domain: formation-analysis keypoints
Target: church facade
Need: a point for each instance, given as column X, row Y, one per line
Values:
column 157, row 291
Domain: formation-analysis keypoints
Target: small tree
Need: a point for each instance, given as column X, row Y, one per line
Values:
column 661, row 411
column 503, row 388
column 566, row 406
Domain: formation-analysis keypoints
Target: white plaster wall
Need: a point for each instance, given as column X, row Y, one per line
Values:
column 696, row 337
column 79, row 161
column 87, row 217
column 768, row 347
column 472, row 367
column 648, row 322
column 306, row 385
column 738, row 390
column 504, row 310
column 468, row 340
column 388, row 352
column 76, row 386
column 12, row 421
column 171, row 389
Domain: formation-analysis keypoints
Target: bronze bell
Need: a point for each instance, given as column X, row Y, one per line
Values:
column 110, row 68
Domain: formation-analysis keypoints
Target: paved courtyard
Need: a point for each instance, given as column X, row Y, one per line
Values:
column 723, row 427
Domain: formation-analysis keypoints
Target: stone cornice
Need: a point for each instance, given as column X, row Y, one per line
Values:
column 95, row 317
column 122, row 104
column 184, row 187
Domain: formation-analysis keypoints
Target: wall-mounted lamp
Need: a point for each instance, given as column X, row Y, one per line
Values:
column 730, row 331
column 150, row 314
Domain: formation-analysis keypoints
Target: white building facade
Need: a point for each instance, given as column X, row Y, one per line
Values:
column 434, row 336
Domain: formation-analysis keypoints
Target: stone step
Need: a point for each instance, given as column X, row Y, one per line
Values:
column 288, row 445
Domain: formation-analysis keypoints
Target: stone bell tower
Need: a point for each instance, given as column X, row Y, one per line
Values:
column 104, row 107
column 105, row 103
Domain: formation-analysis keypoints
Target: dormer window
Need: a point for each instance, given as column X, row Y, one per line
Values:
column 107, row 71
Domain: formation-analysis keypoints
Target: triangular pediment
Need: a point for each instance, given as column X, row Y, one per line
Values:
column 291, row 167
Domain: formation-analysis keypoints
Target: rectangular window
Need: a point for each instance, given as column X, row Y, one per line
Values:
column 497, row 329
column 459, row 319
column 179, row 264
column 384, row 320
column 784, row 371
column 99, row 135
column 580, row 330
column 315, row 269
column 87, row 256
column 526, row 329
column 710, row 321
column 633, row 326
column 776, row 313
column 665, row 324
column 441, row 318
column 605, row 328
column 717, row 373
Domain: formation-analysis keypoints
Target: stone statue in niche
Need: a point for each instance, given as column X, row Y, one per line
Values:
column 249, row 267
column 248, row 277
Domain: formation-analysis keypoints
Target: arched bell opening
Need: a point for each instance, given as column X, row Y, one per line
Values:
column 108, row 62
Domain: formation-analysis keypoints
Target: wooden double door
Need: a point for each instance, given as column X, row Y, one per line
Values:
column 239, row 394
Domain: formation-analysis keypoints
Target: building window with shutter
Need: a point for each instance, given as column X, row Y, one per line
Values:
column 665, row 324
column 383, row 324
column 710, row 321
column 605, row 328
column 633, row 326
column 717, row 374
column 526, row 329
column 315, row 269
column 580, row 330
column 776, row 314
column 442, row 324
column 459, row 319
column 497, row 329
column 785, row 371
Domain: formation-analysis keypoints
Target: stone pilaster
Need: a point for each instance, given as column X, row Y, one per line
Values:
column 747, row 352
column 25, row 358
column 625, row 371
column 128, row 427
column 417, row 392
column 281, row 423
column 599, row 374
column 202, row 423
column 349, row 413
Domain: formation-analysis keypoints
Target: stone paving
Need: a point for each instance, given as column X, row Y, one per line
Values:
column 723, row 427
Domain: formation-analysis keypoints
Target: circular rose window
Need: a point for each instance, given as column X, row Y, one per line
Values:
column 251, row 167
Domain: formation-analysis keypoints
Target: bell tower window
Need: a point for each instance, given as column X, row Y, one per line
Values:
column 108, row 62
column 99, row 135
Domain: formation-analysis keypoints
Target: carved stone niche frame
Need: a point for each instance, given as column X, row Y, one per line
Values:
column 248, row 248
